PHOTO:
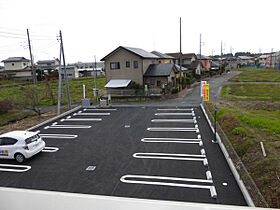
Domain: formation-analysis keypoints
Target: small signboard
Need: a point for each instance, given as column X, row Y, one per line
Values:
column 206, row 92
column 201, row 87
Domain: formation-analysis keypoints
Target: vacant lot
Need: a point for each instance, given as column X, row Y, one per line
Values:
column 263, row 92
column 246, row 125
column 258, row 76
column 48, row 92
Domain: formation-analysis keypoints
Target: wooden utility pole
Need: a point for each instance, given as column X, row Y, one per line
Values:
column 33, row 70
column 181, row 83
column 65, row 72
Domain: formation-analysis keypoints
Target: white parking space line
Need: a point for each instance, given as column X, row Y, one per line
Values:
column 166, row 155
column 82, row 119
column 173, row 120
column 50, row 149
column 170, row 181
column 169, row 156
column 175, row 114
column 171, row 140
column 173, row 129
column 92, row 114
column 175, row 109
column 70, row 126
column 87, row 109
column 58, row 136
column 14, row 168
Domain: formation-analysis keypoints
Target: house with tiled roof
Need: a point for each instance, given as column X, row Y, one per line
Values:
column 17, row 68
column 127, row 63
column 163, row 58
column 187, row 58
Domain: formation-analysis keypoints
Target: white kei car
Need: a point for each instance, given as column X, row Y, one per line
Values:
column 20, row 145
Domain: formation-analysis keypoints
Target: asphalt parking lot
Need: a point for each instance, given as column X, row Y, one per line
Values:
column 161, row 153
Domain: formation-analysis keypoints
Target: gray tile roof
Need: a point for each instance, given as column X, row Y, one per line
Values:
column 160, row 70
column 15, row 59
column 136, row 51
column 162, row 55
column 45, row 61
column 141, row 53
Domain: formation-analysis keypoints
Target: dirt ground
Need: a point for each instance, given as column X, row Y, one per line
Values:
column 28, row 122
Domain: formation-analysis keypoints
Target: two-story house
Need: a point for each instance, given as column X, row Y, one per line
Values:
column 163, row 58
column 187, row 58
column 127, row 64
column 17, row 68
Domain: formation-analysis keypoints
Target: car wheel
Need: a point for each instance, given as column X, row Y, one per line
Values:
column 19, row 158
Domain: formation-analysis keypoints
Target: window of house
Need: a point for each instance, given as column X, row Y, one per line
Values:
column 24, row 64
column 158, row 83
column 135, row 64
column 127, row 64
column 152, row 82
column 13, row 64
column 114, row 65
column 159, row 61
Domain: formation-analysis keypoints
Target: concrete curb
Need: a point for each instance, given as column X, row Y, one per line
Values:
column 230, row 163
column 54, row 118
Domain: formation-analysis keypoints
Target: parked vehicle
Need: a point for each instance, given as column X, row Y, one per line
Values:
column 20, row 145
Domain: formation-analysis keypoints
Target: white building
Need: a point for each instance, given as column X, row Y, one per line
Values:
column 17, row 68
column 72, row 72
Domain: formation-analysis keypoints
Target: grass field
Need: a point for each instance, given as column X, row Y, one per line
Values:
column 246, row 125
column 258, row 76
column 17, row 93
column 9, row 82
column 263, row 92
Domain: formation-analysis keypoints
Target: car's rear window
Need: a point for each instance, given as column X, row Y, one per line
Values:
column 32, row 139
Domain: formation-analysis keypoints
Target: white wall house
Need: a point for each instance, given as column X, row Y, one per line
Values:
column 17, row 68
column 72, row 72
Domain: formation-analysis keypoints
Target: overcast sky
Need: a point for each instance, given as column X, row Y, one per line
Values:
column 96, row 27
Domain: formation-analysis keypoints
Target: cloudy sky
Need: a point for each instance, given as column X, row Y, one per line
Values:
column 96, row 27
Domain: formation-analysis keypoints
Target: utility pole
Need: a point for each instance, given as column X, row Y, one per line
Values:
column 95, row 84
column 59, row 82
column 65, row 73
column 33, row 70
column 221, row 48
column 181, row 83
column 200, row 65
